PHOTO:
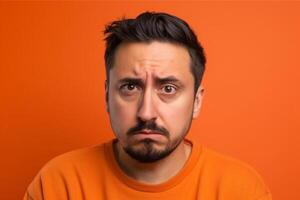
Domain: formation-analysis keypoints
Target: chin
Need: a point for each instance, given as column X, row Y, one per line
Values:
column 148, row 151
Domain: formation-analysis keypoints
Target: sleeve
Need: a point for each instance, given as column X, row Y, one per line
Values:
column 49, row 183
column 60, row 178
column 27, row 196
column 35, row 189
column 242, row 181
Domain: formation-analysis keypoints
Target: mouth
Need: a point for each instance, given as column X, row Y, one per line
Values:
column 148, row 132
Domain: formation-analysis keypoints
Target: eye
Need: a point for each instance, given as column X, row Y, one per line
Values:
column 128, row 88
column 169, row 89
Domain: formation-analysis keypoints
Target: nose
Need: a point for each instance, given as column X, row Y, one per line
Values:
column 147, row 108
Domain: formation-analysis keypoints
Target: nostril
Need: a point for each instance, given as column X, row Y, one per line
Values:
column 142, row 120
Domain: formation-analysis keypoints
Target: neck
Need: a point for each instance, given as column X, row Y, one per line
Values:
column 156, row 172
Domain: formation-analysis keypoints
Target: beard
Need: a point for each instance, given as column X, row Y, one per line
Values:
column 147, row 150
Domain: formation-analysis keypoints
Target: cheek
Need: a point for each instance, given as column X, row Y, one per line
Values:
column 177, row 114
column 122, row 115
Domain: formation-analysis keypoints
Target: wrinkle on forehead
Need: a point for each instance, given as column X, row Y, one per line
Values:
column 146, row 66
column 159, row 58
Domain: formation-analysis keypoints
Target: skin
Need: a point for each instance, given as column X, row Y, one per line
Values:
column 152, row 83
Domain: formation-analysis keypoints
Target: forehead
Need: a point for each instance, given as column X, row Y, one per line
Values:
column 159, row 58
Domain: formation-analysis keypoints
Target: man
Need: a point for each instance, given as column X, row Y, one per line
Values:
column 154, row 67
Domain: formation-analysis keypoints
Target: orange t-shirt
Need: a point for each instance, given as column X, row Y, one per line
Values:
column 93, row 174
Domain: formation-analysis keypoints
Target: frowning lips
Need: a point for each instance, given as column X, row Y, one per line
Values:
column 148, row 132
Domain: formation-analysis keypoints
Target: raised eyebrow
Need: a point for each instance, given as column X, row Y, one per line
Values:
column 131, row 80
column 169, row 79
column 158, row 80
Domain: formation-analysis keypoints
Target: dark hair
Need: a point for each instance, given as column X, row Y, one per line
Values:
column 152, row 26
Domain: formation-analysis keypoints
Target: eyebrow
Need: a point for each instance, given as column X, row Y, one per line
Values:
column 131, row 80
column 157, row 80
column 168, row 79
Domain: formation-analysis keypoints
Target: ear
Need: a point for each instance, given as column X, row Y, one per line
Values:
column 106, row 95
column 198, row 101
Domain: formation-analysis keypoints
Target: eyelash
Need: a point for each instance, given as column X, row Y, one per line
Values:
column 126, row 85
column 173, row 88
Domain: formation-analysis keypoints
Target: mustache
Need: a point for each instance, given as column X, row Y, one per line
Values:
column 151, row 126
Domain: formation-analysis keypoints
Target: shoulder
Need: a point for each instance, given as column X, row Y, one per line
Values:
column 67, row 171
column 76, row 158
column 234, row 175
column 225, row 163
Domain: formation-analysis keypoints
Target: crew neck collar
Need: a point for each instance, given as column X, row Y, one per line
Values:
column 140, row 186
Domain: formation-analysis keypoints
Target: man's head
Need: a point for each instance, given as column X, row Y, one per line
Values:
column 154, row 67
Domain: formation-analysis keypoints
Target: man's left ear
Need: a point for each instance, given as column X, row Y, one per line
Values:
column 198, row 101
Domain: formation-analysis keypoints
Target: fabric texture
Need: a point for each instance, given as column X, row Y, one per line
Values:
column 93, row 173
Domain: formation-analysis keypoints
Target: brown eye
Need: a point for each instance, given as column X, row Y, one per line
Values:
column 168, row 89
column 128, row 89
column 130, row 86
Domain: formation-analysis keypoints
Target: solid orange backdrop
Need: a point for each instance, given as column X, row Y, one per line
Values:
column 52, row 83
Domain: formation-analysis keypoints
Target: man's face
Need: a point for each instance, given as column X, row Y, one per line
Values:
column 151, row 98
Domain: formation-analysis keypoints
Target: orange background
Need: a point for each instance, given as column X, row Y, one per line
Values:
column 52, row 90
